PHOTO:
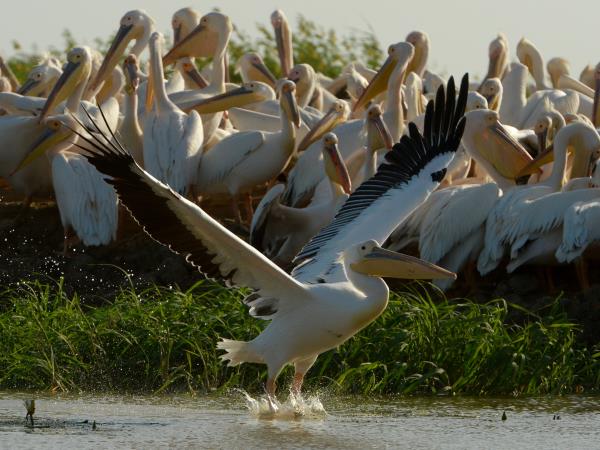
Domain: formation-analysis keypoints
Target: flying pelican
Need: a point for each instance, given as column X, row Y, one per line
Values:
column 282, row 231
column 135, row 24
column 283, row 39
column 41, row 79
column 337, row 288
column 87, row 205
column 172, row 139
column 246, row 159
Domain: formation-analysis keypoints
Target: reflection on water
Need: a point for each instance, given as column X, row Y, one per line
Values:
column 241, row 421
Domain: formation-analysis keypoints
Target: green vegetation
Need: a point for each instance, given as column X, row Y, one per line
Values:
column 164, row 340
column 323, row 49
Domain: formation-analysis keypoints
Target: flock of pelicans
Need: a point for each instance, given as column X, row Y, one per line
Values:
column 481, row 174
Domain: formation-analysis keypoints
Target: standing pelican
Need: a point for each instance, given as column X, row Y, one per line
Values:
column 87, row 205
column 337, row 289
column 172, row 138
column 244, row 160
column 184, row 20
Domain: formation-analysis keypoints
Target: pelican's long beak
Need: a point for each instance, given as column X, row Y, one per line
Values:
column 29, row 84
column 150, row 88
column 176, row 34
column 222, row 102
column 269, row 78
column 62, row 89
column 336, row 169
column 196, row 76
column 503, row 151
column 282, row 40
column 492, row 101
column 378, row 83
column 582, row 164
column 327, row 123
column 386, row 263
column 182, row 48
column 111, row 59
column 381, row 132
column 47, row 140
column 290, row 100
column 534, row 166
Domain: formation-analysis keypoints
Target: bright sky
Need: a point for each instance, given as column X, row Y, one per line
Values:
column 459, row 30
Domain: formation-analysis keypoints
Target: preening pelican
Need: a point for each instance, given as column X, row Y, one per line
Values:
column 172, row 139
column 337, row 288
column 246, row 159
column 281, row 231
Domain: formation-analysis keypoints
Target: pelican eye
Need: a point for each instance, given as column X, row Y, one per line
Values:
column 363, row 248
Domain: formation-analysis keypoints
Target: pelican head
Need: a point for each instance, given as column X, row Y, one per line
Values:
column 579, row 137
column 587, row 76
column 475, row 101
column 253, row 68
column 283, row 39
column 131, row 69
column 420, row 41
column 210, row 37
column 487, row 139
column 378, row 136
column 41, row 78
column 596, row 112
column 184, row 20
column 247, row 93
column 57, row 129
column 338, row 112
column 399, row 55
column 541, row 128
column 556, row 68
column 188, row 69
column 369, row 258
column 491, row 89
column 287, row 101
column 498, row 55
column 305, row 78
column 334, row 163
column 134, row 25
column 75, row 73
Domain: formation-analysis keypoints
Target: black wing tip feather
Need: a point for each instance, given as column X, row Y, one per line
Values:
column 443, row 130
column 147, row 209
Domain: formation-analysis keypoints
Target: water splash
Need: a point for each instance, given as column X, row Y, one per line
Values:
column 293, row 408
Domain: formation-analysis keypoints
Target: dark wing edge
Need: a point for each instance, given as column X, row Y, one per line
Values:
column 443, row 130
column 146, row 199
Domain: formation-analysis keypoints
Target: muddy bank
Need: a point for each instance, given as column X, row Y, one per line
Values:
column 32, row 250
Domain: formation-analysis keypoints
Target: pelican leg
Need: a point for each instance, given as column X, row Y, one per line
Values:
column 302, row 366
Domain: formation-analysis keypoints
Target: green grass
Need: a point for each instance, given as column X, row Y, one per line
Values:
column 164, row 340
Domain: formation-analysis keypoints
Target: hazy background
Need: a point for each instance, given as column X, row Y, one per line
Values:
column 459, row 30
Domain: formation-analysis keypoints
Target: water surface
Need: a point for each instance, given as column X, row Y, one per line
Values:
column 349, row 422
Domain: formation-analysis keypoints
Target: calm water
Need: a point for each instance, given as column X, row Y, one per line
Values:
column 229, row 422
